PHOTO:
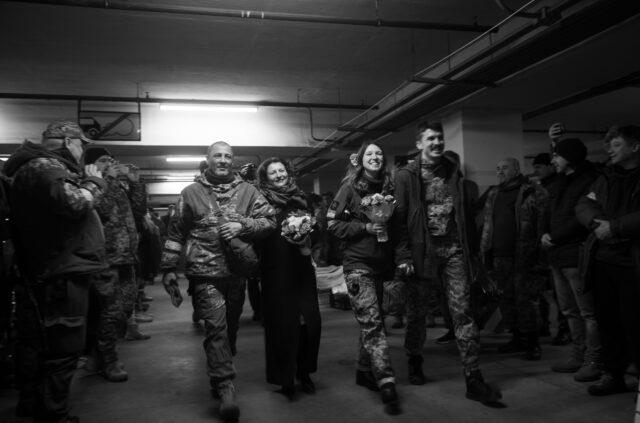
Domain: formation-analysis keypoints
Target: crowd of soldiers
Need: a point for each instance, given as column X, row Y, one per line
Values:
column 77, row 215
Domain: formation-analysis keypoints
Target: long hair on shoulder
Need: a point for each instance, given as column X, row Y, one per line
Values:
column 354, row 173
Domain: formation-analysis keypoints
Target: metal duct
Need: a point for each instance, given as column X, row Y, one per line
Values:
column 256, row 15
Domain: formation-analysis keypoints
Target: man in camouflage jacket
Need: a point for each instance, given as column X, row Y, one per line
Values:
column 514, row 220
column 119, row 209
column 218, row 293
column 60, row 252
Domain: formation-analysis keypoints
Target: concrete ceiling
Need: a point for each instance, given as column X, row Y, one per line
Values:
column 200, row 50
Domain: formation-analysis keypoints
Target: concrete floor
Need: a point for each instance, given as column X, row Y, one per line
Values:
column 168, row 382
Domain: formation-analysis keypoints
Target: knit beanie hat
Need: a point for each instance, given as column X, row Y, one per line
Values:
column 94, row 153
column 542, row 159
column 572, row 150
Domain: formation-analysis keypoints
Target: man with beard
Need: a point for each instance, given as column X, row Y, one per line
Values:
column 436, row 241
column 60, row 253
column 513, row 224
column 218, row 292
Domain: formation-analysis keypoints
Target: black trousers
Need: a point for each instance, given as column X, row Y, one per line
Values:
column 617, row 309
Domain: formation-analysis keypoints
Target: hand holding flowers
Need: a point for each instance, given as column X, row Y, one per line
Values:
column 379, row 208
column 296, row 229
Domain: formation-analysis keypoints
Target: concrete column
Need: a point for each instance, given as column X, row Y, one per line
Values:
column 482, row 138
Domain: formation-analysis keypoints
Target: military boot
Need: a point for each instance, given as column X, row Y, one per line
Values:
column 229, row 411
column 390, row 398
column 479, row 390
column 114, row 372
column 133, row 331
column 416, row 376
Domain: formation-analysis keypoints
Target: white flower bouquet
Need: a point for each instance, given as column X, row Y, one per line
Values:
column 296, row 229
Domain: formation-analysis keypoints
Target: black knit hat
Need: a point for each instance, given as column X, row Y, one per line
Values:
column 94, row 153
column 542, row 159
column 572, row 150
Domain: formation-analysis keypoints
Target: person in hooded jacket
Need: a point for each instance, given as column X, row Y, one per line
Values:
column 218, row 207
column 290, row 310
column 60, row 252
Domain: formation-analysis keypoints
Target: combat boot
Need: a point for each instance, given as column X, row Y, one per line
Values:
column 366, row 379
column 390, row 398
column 416, row 376
column 229, row 411
column 479, row 390
column 114, row 372
column 133, row 332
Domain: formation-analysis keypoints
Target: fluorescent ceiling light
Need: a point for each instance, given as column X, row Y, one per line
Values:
column 208, row 108
column 196, row 159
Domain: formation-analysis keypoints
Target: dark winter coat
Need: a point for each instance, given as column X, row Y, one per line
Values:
column 598, row 205
column 414, row 243
column 55, row 225
column 361, row 250
column 565, row 230
column 289, row 291
column 531, row 210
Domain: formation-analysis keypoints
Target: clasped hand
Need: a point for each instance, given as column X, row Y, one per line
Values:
column 170, row 282
column 230, row 230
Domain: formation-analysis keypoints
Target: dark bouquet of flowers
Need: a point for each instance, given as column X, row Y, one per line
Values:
column 378, row 208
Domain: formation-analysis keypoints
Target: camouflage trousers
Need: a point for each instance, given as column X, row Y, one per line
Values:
column 106, row 315
column 127, row 285
column 520, row 295
column 447, row 264
column 373, row 351
column 219, row 303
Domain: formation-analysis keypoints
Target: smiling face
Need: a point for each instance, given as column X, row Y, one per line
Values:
column 623, row 153
column 277, row 174
column 220, row 159
column 372, row 160
column 431, row 143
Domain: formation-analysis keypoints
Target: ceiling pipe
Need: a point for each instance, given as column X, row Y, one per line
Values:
column 65, row 97
column 603, row 14
column 257, row 15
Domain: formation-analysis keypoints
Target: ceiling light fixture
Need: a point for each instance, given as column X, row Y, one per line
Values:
column 196, row 159
column 208, row 108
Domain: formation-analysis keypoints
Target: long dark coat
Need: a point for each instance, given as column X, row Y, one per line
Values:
column 289, row 297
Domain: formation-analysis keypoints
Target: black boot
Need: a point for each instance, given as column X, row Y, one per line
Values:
column 516, row 344
column 390, row 398
column 479, row 390
column 367, row 380
column 533, row 352
column 416, row 376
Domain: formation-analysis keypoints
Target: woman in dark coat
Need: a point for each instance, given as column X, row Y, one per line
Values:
column 290, row 311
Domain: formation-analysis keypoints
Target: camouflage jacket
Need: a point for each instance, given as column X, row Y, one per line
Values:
column 55, row 227
column 531, row 210
column 118, row 209
column 194, row 226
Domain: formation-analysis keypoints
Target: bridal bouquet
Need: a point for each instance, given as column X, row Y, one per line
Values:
column 378, row 208
column 296, row 229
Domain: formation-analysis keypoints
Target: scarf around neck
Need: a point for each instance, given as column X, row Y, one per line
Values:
column 286, row 196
